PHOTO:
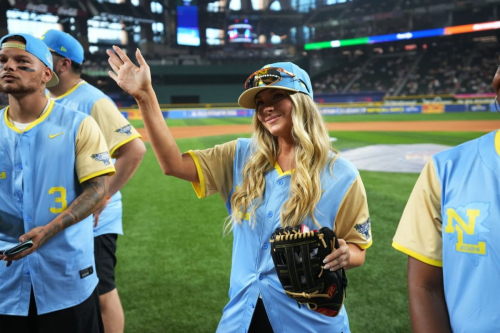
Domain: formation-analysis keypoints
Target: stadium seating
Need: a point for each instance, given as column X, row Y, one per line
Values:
column 446, row 68
column 430, row 66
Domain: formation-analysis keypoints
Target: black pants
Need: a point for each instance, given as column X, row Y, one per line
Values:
column 82, row 318
column 260, row 322
column 105, row 262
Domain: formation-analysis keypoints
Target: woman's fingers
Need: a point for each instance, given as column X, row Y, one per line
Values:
column 113, row 59
column 337, row 263
column 115, row 68
column 121, row 54
column 140, row 58
column 338, row 258
column 113, row 75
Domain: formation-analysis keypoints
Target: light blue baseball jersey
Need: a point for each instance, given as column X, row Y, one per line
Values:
column 342, row 206
column 451, row 221
column 116, row 130
column 41, row 169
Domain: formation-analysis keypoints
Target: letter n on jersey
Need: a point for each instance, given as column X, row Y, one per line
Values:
column 456, row 222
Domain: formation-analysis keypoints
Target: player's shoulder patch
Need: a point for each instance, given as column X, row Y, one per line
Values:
column 102, row 157
column 364, row 228
column 125, row 130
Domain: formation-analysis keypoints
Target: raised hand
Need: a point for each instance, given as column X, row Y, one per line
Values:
column 132, row 79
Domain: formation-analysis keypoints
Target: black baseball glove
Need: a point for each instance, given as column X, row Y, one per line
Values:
column 298, row 259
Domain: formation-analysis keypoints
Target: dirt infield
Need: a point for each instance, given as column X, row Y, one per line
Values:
column 379, row 126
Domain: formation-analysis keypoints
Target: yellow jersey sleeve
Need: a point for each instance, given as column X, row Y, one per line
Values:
column 92, row 156
column 116, row 129
column 353, row 218
column 215, row 170
column 419, row 231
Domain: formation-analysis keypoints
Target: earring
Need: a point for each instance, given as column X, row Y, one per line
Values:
column 496, row 103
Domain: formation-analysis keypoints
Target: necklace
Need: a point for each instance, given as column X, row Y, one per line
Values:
column 71, row 87
column 41, row 113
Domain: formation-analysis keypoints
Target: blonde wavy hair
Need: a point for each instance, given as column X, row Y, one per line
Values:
column 312, row 153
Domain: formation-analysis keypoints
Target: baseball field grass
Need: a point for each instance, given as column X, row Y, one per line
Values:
column 341, row 118
column 174, row 264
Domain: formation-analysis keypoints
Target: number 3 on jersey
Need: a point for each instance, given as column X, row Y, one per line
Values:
column 61, row 191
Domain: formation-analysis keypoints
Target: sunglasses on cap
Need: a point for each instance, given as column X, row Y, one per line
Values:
column 266, row 77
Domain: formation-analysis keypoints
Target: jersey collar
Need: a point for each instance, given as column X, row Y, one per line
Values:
column 497, row 142
column 70, row 91
column 33, row 124
column 280, row 172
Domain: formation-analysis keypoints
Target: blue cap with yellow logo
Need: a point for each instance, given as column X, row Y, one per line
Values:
column 64, row 44
column 279, row 75
column 37, row 48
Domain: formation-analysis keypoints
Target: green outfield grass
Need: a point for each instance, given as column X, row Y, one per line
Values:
column 341, row 118
column 174, row 265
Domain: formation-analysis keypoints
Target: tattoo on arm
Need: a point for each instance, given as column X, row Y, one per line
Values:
column 94, row 192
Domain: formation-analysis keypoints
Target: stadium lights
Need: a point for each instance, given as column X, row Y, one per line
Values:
column 459, row 29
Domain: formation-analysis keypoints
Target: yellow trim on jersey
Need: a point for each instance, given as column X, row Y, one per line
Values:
column 364, row 246
column 416, row 255
column 280, row 172
column 8, row 123
column 497, row 142
column 109, row 171
column 33, row 124
column 112, row 151
column 245, row 216
column 199, row 188
column 42, row 118
column 70, row 91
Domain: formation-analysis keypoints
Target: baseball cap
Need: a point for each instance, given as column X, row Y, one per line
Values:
column 63, row 44
column 279, row 75
column 37, row 48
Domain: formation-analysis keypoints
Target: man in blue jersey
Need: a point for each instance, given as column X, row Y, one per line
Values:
column 54, row 170
column 124, row 144
column 449, row 230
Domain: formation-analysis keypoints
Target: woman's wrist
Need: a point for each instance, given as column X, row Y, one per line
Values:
column 145, row 96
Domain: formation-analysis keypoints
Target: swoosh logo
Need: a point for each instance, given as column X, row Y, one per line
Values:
column 51, row 136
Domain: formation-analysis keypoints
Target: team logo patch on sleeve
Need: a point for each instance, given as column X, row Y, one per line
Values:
column 125, row 130
column 102, row 157
column 364, row 228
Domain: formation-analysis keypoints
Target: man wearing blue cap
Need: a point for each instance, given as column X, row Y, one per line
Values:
column 286, row 175
column 124, row 144
column 54, row 170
